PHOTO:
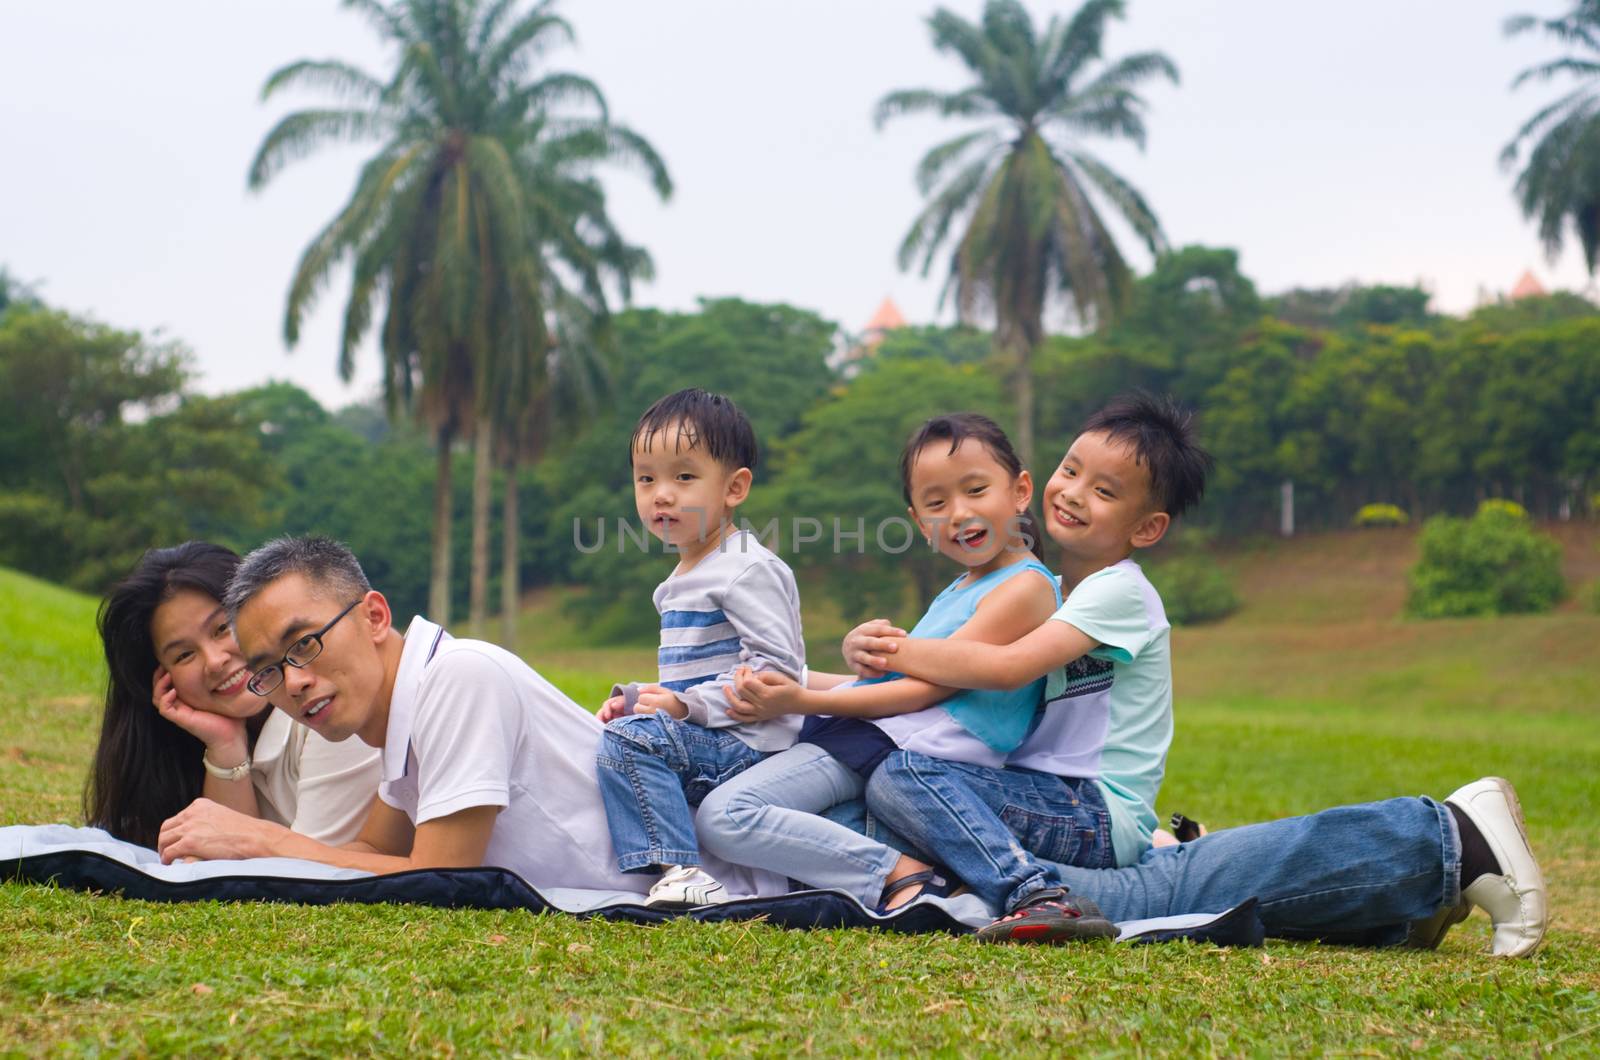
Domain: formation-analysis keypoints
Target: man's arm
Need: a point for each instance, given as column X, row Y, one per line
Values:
column 387, row 842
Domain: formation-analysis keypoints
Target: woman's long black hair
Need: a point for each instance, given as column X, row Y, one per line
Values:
column 145, row 768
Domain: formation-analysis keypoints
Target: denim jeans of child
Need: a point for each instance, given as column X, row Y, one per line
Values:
column 1353, row 874
column 994, row 828
column 769, row 818
column 653, row 769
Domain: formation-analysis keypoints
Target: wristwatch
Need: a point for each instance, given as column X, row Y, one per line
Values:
column 238, row 772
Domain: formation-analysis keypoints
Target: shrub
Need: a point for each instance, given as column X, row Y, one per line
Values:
column 1381, row 515
column 1499, row 507
column 1494, row 563
column 1194, row 590
column 1594, row 597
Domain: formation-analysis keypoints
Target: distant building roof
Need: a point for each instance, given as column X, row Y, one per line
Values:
column 1528, row 286
column 887, row 318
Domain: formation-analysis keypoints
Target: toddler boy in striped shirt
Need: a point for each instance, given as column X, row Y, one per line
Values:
column 729, row 603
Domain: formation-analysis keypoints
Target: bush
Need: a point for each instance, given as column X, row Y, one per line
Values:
column 1194, row 590
column 1381, row 515
column 1499, row 507
column 1594, row 597
column 1492, row 564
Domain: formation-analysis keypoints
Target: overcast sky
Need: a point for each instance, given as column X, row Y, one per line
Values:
column 1327, row 142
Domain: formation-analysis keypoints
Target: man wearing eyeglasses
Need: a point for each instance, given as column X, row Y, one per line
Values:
column 484, row 761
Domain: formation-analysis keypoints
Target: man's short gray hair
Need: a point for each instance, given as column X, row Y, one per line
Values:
column 327, row 564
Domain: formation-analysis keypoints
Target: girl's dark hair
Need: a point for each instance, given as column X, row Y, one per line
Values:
column 955, row 429
column 145, row 768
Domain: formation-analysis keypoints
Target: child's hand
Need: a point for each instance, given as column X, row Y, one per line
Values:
column 867, row 646
column 612, row 709
column 762, row 695
column 653, row 698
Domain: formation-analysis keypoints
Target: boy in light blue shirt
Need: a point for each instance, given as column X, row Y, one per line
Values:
column 1081, row 789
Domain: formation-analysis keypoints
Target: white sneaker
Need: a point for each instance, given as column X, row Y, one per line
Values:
column 686, row 886
column 1515, row 901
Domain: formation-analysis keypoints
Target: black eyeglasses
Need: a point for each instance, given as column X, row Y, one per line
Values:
column 300, row 653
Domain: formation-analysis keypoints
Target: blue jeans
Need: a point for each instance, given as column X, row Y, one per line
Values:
column 652, row 769
column 997, row 829
column 768, row 818
column 1353, row 874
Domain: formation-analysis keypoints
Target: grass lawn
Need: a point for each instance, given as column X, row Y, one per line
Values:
column 1314, row 694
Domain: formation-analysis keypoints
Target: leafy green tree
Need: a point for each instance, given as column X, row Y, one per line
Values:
column 479, row 181
column 1353, row 306
column 102, row 455
column 1560, row 179
column 1025, row 184
column 841, row 469
column 13, row 292
column 63, row 383
column 1520, row 314
column 958, row 345
column 770, row 359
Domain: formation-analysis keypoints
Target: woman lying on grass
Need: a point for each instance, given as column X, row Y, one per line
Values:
column 179, row 723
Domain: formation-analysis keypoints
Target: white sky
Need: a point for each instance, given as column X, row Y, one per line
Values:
column 1327, row 142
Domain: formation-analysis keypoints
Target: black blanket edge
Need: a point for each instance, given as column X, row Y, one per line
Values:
column 472, row 888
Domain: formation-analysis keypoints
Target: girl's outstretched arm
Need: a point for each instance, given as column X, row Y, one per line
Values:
column 1009, row 612
column 971, row 664
column 757, row 695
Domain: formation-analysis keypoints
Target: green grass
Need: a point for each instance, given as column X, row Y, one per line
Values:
column 1314, row 694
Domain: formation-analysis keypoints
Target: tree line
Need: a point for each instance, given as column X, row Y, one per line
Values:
column 483, row 259
column 1357, row 396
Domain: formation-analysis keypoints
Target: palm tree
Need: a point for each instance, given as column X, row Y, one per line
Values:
column 1021, row 184
column 1561, row 179
column 442, row 227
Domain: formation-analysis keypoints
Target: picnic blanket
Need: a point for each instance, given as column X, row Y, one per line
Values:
column 89, row 859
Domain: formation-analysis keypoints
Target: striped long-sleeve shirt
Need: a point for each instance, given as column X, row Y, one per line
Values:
column 738, row 606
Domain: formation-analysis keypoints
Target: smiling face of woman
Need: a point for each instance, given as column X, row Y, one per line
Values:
column 192, row 640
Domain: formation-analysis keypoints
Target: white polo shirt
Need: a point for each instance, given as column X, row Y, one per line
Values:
column 471, row 724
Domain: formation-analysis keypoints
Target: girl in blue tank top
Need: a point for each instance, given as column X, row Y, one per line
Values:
column 968, row 494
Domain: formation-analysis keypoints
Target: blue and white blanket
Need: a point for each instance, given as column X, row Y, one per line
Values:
column 89, row 859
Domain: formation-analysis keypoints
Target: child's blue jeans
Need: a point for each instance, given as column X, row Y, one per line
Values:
column 770, row 818
column 653, row 769
column 993, row 827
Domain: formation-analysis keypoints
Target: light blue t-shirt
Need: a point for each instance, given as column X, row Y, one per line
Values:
column 979, row 726
column 1108, row 715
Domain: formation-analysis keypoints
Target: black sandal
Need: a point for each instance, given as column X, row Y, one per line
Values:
column 1186, row 829
column 934, row 883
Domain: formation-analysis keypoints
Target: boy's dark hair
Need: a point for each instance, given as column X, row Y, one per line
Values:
column 1162, row 436
column 710, row 420
column 956, row 428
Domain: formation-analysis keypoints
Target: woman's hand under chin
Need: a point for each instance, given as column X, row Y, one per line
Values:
column 218, row 732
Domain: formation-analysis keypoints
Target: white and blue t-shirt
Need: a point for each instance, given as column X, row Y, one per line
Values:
column 1108, row 715
column 738, row 606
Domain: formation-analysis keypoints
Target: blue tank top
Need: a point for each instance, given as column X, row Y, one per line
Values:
column 1002, row 719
